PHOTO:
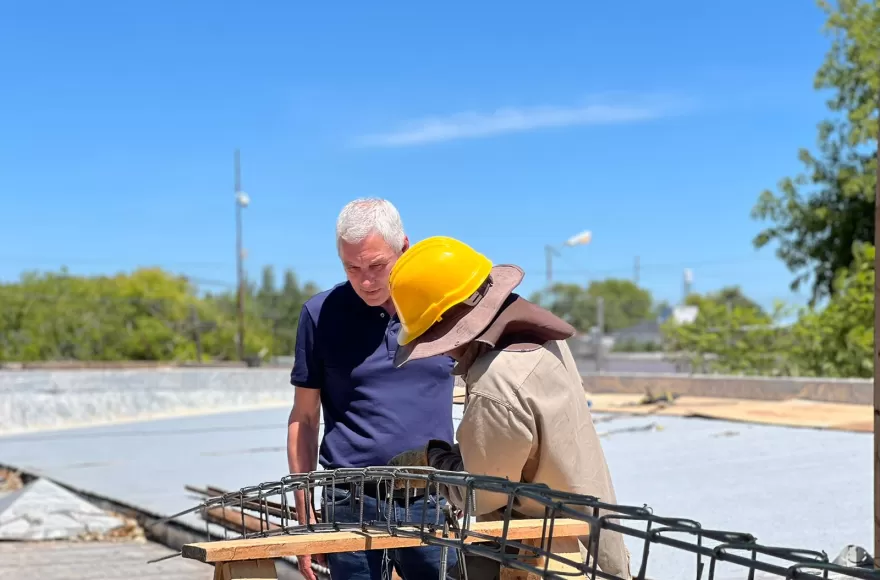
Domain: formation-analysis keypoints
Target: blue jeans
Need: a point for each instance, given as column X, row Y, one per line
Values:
column 411, row 563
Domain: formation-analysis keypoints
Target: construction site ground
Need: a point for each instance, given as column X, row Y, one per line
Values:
column 788, row 413
column 60, row 560
column 787, row 486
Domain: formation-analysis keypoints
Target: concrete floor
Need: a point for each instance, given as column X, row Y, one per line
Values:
column 792, row 487
column 94, row 561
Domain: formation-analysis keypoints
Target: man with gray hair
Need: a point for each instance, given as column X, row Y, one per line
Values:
column 344, row 364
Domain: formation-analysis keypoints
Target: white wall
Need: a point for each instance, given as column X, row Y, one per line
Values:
column 50, row 399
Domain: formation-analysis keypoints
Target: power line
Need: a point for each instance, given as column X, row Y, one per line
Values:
column 583, row 270
column 327, row 266
column 107, row 261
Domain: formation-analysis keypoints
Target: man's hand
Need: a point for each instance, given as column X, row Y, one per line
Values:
column 302, row 453
column 413, row 458
column 305, row 565
column 305, row 562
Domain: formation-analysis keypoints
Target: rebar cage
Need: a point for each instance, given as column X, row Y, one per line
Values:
column 268, row 509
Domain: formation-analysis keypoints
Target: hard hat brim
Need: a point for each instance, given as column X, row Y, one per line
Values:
column 447, row 335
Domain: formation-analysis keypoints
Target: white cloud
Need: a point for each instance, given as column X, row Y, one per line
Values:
column 473, row 125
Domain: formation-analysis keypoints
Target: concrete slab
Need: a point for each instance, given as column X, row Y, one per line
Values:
column 789, row 487
column 94, row 561
column 42, row 510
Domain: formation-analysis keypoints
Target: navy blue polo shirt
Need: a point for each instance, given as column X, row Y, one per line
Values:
column 372, row 410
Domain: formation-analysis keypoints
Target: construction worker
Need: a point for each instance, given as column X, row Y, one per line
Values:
column 526, row 416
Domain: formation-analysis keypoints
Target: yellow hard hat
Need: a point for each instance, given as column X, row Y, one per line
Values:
column 431, row 277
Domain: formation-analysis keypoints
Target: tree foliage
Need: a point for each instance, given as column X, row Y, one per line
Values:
column 146, row 315
column 838, row 340
column 625, row 303
column 835, row 340
column 734, row 296
column 732, row 337
column 819, row 216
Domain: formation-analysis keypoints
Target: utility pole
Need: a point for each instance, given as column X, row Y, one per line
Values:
column 549, row 251
column 548, row 263
column 877, row 353
column 580, row 239
column 197, row 331
column 688, row 280
column 636, row 272
column 239, row 254
column 600, row 330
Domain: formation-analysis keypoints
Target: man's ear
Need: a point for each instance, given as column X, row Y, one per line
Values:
column 405, row 244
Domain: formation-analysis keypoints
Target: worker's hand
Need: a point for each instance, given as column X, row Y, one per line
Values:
column 301, row 498
column 305, row 565
column 413, row 458
column 305, row 562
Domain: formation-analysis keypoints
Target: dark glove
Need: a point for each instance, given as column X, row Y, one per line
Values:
column 435, row 451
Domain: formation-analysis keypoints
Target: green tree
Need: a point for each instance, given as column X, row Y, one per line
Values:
column 730, row 338
column 625, row 303
column 141, row 316
column 570, row 303
column 819, row 216
column 146, row 315
column 837, row 341
column 734, row 296
column 267, row 295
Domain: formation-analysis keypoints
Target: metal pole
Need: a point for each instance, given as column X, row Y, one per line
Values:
column 600, row 332
column 636, row 272
column 238, row 256
column 877, row 354
column 687, row 285
column 197, row 331
column 548, row 251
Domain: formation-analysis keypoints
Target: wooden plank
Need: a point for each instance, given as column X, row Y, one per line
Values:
column 563, row 547
column 273, row 508
column 567, row 548
column 790, row 413
column 230, row 518
column 246, row 570
column 353, row 541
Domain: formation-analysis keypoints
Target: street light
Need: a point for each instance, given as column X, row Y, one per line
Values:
column 242, row 200
column 580, row 239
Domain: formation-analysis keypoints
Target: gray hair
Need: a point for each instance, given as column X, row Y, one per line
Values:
column 364, row 216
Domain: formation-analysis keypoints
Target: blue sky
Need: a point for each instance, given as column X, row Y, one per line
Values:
column 510, row 126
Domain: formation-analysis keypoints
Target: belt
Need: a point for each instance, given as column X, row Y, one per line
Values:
column 380, row 491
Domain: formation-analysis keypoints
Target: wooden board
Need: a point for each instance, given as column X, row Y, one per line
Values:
column 350, row 541
column 564, row 547
column 246, row 570
column 791, row 413
column 231, row 518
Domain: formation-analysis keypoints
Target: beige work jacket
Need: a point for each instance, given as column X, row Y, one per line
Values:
column 526, row 419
